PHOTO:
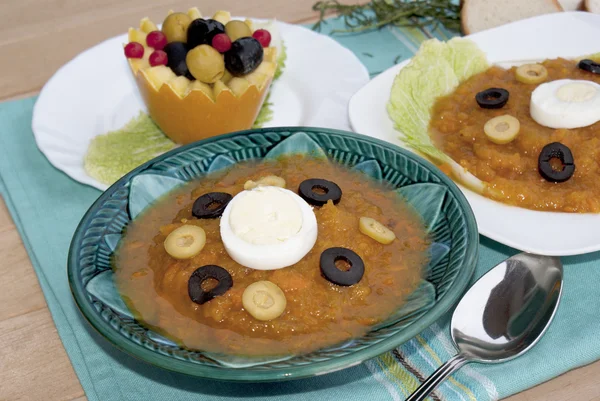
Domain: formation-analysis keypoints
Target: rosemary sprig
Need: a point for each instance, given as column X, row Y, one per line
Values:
column 379, row 13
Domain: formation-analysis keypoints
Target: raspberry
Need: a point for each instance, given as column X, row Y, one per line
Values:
column 263, row 36
column 158, row 57
column 134, row 50
column 156, row 40
column 221, row 42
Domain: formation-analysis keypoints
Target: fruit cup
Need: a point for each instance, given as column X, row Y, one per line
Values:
column 187, row 109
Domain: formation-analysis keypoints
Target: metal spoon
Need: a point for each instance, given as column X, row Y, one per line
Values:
column 503, row 314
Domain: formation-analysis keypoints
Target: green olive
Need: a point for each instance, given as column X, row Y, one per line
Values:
column 264, row 300
column 185, row 242
column 531, row 73
column 175, row 27
column 237, row 29
column 502, row 129
column 374, row 229
column 205, row 64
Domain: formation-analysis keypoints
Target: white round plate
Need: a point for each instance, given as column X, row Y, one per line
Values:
column 566, row 34
column 95, row 93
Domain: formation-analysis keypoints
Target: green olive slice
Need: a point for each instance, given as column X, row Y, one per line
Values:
column 502, row 129
column 264, row 300
column 531, row 73
column 270, row 180
column 374, row 229
column 185, row 242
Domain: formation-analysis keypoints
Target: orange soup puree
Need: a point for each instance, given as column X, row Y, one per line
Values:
column 511, row 170
column 318, row 313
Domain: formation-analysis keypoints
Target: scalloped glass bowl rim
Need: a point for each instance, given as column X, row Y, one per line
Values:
column 448, row 300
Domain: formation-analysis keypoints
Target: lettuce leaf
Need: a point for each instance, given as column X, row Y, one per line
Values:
column 436, row 70
column 266, row 111
column 595, row 57
column 265, row 114
column 281, row 58
column 412, row 98
column 465, row 58
column 414, row 91
column 114, row 154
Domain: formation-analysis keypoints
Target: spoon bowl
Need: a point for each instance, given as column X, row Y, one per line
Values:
column 503, row 315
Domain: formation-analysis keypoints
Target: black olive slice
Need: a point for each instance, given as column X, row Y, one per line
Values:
column 201, row 274
column 589, row 66
column 556, row 150
column 210, row 205
column 317, row 191
column 492, row 98
column 344, row 278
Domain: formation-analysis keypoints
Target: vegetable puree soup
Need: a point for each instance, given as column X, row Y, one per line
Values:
column 210, row 265
column 524, row 168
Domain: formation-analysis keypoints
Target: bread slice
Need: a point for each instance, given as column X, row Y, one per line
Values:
column 479, row 15
column 571, row 5
column 592, row 6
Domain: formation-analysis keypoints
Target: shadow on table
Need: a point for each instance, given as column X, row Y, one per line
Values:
column 223, row 388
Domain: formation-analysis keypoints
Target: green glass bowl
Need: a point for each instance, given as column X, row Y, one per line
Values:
column 435, row 197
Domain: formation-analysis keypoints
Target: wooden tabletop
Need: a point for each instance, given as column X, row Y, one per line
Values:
column 36, row 38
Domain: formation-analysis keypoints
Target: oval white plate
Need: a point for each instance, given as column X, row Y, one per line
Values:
column 95, row 93
column 568, row 34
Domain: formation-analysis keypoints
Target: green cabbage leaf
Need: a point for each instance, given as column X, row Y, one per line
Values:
column 436, row 70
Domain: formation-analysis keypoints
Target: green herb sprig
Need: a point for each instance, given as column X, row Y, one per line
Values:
column 379, row 13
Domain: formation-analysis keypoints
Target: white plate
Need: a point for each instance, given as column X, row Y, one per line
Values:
column 568, row 34
column 95, row 93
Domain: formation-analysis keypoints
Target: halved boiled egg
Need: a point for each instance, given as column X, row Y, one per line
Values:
column 268, row 228
column 566, row 103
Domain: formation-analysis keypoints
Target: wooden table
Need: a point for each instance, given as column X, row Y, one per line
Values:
column 36, row 38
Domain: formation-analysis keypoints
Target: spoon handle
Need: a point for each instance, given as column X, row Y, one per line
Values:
column 437, row 377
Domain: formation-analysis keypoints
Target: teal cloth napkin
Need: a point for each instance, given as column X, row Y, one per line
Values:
column 46, row 206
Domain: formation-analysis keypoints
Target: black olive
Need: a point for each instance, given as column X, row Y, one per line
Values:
column 245, row 56
column 176, row 52
column 317, row 191
column 492, row 98
column 210, row 205
column 589, row 66
column 202, row 31
column 201, row 274
column 345, row 278
column 556, row 150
